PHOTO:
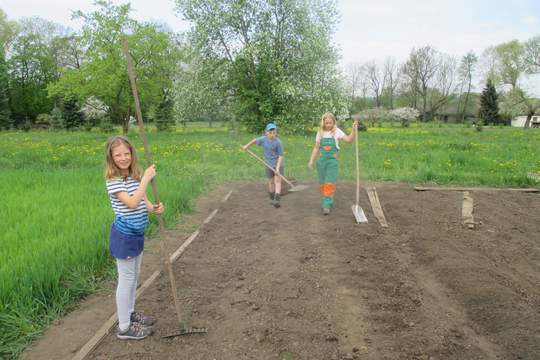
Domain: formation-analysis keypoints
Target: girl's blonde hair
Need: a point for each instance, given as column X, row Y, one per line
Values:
column 111, row 170
column 331, row 116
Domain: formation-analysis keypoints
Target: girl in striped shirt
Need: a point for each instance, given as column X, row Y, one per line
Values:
column 127, row 193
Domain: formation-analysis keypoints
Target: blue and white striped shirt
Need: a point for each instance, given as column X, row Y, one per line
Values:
column 128, row 221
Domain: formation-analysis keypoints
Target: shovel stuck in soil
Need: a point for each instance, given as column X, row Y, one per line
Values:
column 356, row 209
column 292, row 187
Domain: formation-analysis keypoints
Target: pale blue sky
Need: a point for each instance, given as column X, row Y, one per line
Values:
column 379, row 28
column 368, row 30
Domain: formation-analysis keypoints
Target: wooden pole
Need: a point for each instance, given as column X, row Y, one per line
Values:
column 148, row 155
column 357, row 167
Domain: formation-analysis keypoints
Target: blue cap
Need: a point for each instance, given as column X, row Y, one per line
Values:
column 270, row 126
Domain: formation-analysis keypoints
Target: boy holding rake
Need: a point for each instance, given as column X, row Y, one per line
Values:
column 273, row 153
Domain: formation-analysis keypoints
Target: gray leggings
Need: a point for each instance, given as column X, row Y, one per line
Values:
column 128, row 275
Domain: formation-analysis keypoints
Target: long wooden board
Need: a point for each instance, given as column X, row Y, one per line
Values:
column 376, row 205
column 424, row 188
column 467, row 210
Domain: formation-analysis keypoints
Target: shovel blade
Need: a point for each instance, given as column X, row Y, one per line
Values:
column 359, row 214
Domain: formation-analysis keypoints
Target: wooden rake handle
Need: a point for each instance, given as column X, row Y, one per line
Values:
column 142, row 132
column 269, row 166
column 357, row 167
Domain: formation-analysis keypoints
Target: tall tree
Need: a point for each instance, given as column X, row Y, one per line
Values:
column 8, row 30
column 57, row 120
column 277, row 55
column 164, row 113
column 68, row 51
column 32, row 66
column 354, row 81
column 5, row 113
column 200, row 91
column 375, row 80
column 510, row 62
column 153, row 49
column 532, row 55
column 489, row 105
column 488, row 65
column 408, row 88
column 466, row 72
column 420, row 69
column 391, row 71
column 441, row 90
column 104, row 64
column 73, row 115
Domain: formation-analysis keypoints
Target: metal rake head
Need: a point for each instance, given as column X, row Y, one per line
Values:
column 297, row 188
column 186, row 331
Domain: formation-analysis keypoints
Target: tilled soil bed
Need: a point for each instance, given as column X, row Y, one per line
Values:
column 290, row 283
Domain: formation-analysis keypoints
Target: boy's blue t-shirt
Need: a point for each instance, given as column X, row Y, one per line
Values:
column 272, row 149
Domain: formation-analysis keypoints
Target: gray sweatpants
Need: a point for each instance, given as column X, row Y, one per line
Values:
column 128, row 275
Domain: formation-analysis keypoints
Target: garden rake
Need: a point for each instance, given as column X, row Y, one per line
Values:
column 184, row 328
column 356, row 209
column 293, row 188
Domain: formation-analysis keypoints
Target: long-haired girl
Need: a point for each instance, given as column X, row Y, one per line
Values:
column 127, row 193
column 327, row 146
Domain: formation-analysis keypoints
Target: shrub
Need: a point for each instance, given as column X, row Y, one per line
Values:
column 56, row 119
column 105, row 124
column 43, row 120
column 405, row 115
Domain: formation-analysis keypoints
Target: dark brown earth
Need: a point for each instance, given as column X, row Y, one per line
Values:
column 290, row 283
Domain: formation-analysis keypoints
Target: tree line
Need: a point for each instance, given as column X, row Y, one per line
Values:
column 439, row 85
column 245, row 62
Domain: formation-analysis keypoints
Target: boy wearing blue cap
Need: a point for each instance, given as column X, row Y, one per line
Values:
column 273, row 153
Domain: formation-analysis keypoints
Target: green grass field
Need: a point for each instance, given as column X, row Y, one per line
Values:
column 56, row 214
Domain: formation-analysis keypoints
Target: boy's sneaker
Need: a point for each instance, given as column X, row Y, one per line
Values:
column 136, row 331
column 275, row 202
column 272, row 195
column 325, row 211
column 141, row 319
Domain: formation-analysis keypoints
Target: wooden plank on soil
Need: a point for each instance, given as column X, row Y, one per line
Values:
column 376, row 205
column 181, row 249
column 147, row 283
column 227, row 196
column 212, row 214
column 94, row 341
column 467, row 210
column 424, row 188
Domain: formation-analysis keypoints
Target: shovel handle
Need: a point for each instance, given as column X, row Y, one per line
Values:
column 357, row 167
column 269, row 166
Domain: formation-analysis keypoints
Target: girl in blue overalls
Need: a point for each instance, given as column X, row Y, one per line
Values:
column 327, row 145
